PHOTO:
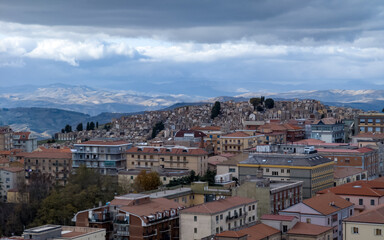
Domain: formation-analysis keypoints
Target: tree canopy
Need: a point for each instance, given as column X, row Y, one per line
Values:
column 157, row 128
column 79, row 127
column 146, row 181
column 269, row 103
column 216, row 110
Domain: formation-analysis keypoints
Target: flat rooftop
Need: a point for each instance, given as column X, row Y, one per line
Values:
column 171, row 192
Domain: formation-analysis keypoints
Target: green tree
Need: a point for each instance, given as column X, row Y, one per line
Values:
column 216, row 110
column 157, row 128
column 146, row 181
column 92, row 126
column 88, row 128
column 79, row 127
column 269, row 103
column 382, row 110
column 209, row 177
column 255, row 102
column 259, row 108
column 107, row 126
column 68, row 128
column 97, row 125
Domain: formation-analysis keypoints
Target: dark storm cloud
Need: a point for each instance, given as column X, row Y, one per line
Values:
column 207, row 21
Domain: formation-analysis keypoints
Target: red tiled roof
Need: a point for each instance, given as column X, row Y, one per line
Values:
column 322, row 203
column 359, row 188
column 276, row 217
column 326, row 121
column 374, row 215
column 256, row 232
column 152, row 207
column 310, row 141
column 163, row 150
column 237, row 135
column 301, row 228
column 51, row 153
column 370, row 135
column 109, row 143
column 206, row 128
column 342, row 172
column 359, row 150
column 195, row 133
column 219, row 205
column 23, row 135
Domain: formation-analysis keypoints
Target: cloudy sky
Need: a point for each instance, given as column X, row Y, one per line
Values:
column 194, row 47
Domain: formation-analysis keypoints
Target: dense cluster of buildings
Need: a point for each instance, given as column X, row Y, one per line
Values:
column 300, row 170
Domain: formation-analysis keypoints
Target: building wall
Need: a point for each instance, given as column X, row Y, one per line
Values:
column 9, row 180
column 324, row 236
column 366, row 200
column 223, row 169
column 351, row 178
column 370, row 123
column 262, row 194
column 365, row 231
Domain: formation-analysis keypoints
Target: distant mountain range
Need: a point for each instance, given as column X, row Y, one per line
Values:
column 46, row 109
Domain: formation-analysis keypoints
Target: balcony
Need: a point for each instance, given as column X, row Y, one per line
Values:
column 121, row 233
column 165, row 229
column 150, row 234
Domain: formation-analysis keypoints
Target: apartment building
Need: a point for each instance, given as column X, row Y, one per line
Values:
column 349, row 174
column 205, row 220
column 364, row 158
column 10, row 178
column 257, row 232
column 364, row 194
column 237, row 142
column 329, row 130
column 370, row 122
column 106, row 156
column 272, row 196
column 24, row 141
column 366, row 225
column 5, row 138
column 175, row 157
column 55, row 162
column 213, row 134
column 325, row 210
column 315, row 171
column 134, row 216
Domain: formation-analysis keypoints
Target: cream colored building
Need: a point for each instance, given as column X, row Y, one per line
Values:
column 176, row 157
column 208, row 219
column 368, row 225
column 237, row 142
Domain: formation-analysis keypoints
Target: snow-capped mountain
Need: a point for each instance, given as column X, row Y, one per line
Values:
column 85, row 99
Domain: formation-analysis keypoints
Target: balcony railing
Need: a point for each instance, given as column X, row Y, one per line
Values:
column 150, row 234
column 121, row 233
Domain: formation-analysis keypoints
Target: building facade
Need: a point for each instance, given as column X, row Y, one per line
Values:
column 370, row 122
column 10, row 178
column 5, row 138
column 105, row 156
column 329, row 130
column 24, row 141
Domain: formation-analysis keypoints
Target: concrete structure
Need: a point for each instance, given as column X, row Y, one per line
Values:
column 211, row 218
column 364, row 194
column 307, row 231
column 56, row 232
column 344, row 175
column 370, row 122
column 134, row 216
column 189, row 136
column 213, row 134
column 230, row 165
column 329, row 130
column 272, row 196
column 366, row 225
column 106, row 156
column 237, row 142
column 24, row 141
column 175, row 157
column 10, row 178
column 56, row 162
column 281, row 222
column 365, row 158
column 325, row 210
column 5, row 138
column 316, row 172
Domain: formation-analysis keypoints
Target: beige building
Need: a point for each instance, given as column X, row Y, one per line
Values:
column 366, row 225
column 237, row 142
column 176, row 157
column 6, row 134
column 10, row 178
column 214, row 217
column 349, row 174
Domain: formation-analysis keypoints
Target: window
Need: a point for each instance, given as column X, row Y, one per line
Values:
column 288, row 170
column 372, row 202
column 195, row 230
column 267, row 170
column 377, row 232
column 350, row 212
column 217, row 218
column 217, row 230
column 347, row 199
column 275, row 173
column 253, row 207
column 355, row 230
column 308, row 220
column 360, row 201
column 221, row 216
column 282, row 170
column 232, row 170
column 285, row 228
column 195, row 218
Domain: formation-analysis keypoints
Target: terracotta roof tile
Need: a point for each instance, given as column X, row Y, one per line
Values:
column 358, row 188
column 51, row 153
column 219, row 205
column 276, row 217
column 322, row 203
column 109, row 143
column 326, row 121
column 342, row 172
column 12, row 169
column 374, row 215
column 237, row 135
column 206, row 128
column 256, row 232
column 308, row 229
column 166, row 151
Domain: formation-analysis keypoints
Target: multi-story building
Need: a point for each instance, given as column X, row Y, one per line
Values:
column 213, row 134
column 55, row 162
column 189, row 136
column 370, row 122
column 10, row 178
column 364, row 158
column 205, row 220
column 329, row 130
column 256, row 232
column 24, row 141
column 237, row 142
column 176, row 157
column 364, row 194
column 325, row 210
column 315, row 171
column 272, row 196
column 349, row 174
column 134, row 216
column 106, row 156
column 56, row 232
column 5, row 138
column 366, row 225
